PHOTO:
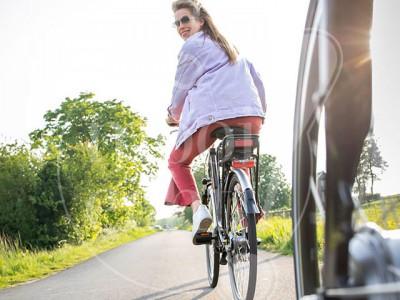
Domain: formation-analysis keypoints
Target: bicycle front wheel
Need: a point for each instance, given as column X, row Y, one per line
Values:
column 212, row 257
column 241, row 229
column 332, row 119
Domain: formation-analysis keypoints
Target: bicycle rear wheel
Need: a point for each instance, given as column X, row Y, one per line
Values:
column 212, row 253
column 242, row 256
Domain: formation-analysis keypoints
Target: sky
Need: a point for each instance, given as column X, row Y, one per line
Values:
column 127, row 50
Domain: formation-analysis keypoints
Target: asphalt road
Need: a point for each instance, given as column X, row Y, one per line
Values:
column 161, row 266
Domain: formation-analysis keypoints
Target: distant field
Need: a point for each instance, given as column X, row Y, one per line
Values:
column 385, row 212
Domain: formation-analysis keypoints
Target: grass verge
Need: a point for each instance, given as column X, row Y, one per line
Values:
column 276, row 235
column 276, row 232
column 18, row 265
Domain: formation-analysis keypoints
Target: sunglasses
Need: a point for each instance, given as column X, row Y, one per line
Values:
column 184, row 20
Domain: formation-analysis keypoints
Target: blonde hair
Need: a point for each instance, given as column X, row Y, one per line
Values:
column 209, row 27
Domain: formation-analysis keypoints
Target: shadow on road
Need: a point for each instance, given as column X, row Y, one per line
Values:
column 179, row 289
column 172, row 292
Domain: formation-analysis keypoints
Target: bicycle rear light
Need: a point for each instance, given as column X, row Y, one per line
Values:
column 240, row 164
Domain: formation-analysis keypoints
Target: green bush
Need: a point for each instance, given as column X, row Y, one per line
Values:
column 18, row 183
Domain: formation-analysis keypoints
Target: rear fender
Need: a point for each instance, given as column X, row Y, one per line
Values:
column 250, row 205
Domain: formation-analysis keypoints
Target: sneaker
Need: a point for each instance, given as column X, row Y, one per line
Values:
column 201, row 221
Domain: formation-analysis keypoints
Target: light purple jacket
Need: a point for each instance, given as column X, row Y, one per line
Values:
column 208, row 88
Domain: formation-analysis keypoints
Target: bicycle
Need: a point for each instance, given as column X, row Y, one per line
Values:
column 229, row 195
column 359, row 259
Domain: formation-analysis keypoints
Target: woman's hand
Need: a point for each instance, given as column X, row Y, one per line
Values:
column 172, row 122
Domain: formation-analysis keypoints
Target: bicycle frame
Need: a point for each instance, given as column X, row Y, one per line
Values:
column 214, row 189
column 220, row 172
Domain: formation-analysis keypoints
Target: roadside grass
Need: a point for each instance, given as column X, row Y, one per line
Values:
column 386, row 214
column 19, row 265
column 276, row 232
column 276, row 235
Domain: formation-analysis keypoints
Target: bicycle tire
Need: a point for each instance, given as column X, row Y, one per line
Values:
column 212, row 254
column 303, row 204
column 242, row 255
column 313, row 95
column 212, row 257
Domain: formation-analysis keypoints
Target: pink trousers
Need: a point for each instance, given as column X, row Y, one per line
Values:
column 182, row 189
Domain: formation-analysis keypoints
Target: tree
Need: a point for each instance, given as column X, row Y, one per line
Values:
column 95, row 156
column 370, row 166
column 143, row 212
column 274, row 191
column 80, row 193
column 117, row 131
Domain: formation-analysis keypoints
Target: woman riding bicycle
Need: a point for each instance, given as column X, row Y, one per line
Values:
column 214, row 87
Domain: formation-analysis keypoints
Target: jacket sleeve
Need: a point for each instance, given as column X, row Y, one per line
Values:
column 189, row 70
column 259, row 85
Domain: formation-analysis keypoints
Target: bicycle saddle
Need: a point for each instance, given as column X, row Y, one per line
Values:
column 221, row 132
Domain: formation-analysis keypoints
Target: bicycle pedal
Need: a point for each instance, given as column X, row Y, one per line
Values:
column 258, row 241
column 204, row 238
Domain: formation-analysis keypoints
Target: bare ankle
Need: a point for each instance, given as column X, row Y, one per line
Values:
column 195, row 205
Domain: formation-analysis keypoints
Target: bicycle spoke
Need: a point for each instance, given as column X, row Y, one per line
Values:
column 242, row 264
